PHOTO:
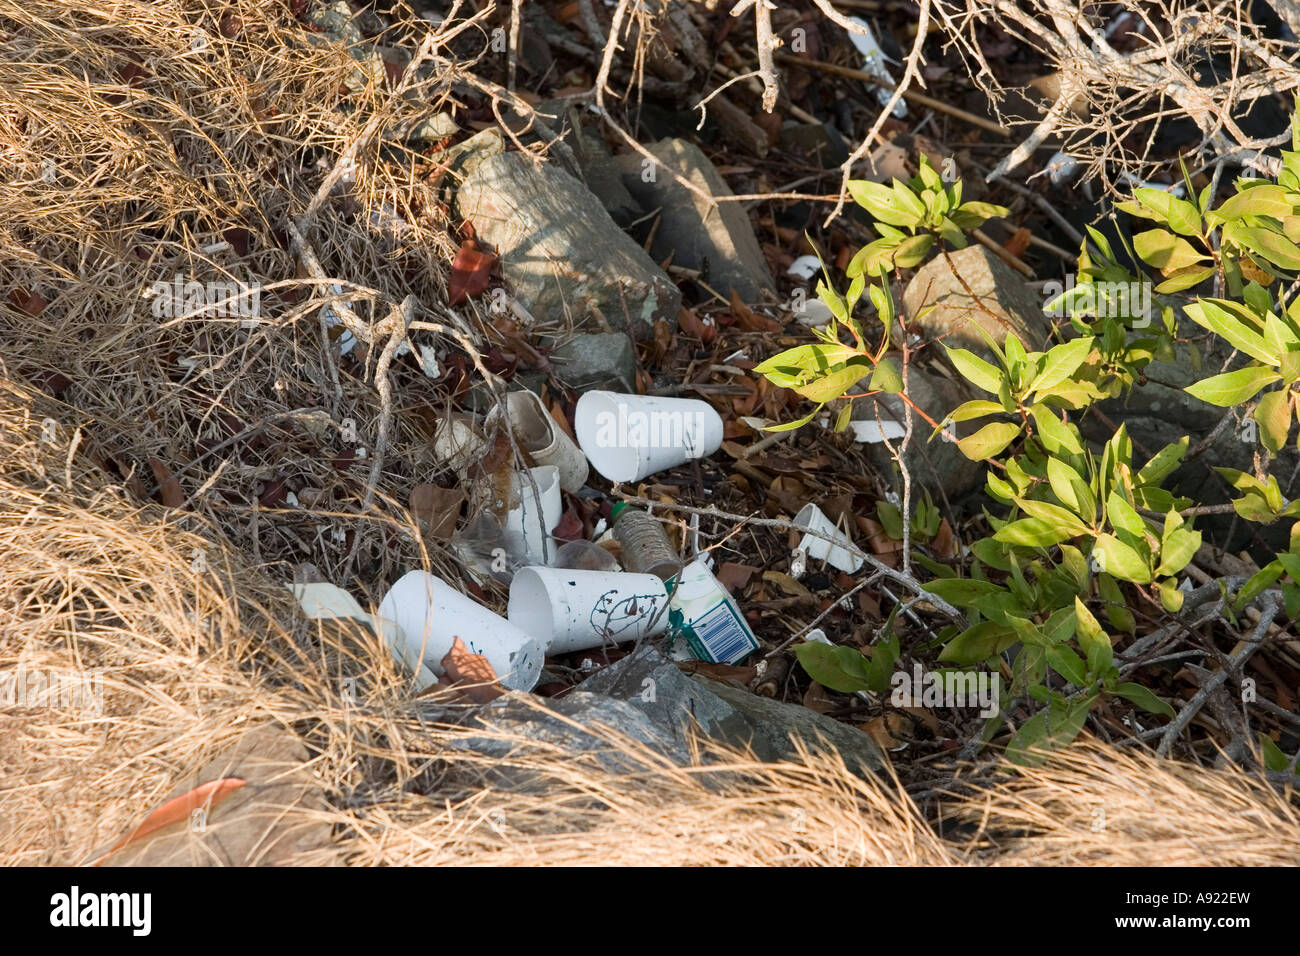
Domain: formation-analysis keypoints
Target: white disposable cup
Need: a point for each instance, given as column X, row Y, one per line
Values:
column 543, row 439
column 567, row 610
column 841, row 553
column 430, row 614
column 626, row 437
column 527, row 519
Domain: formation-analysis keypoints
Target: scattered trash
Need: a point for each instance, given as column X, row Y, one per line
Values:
column 1062, row 168
column 567, row 610
column 627, row 437
column 702, row 611
column 535, row 515
column 583, row 555
column 805, row 267
column 546, row 442
column 457, row 442
column 815, row 313
column 644, row 543
column 841, row 554
column 873, row 61
column 346, row 340
column 1176, row 189
column 430, row 614
column 867, row 432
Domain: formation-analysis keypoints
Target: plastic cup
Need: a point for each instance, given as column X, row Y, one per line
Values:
column 840, row 553
column 627, row 437
column 430, row 614
column 566, row 610
column 528, row 520
column 543, row 439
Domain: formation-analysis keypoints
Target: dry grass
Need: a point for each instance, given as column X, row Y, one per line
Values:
column 160, row 154
column 192, row 659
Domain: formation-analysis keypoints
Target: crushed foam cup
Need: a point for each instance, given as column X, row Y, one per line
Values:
column 535, row 523
column 840, row 553
column 429, row 614
column 566, row 610
column 539, row 434
column 627, row 437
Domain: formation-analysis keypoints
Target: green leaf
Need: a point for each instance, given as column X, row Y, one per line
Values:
column 1033, row 533
column 1211, row 314
column 1178, row 548
column 1122, row 515
column 791, row 426
column 1094, row 641
column 975, row 370
column 1061, row 362
column 1054, row 727
column 1181, row 216
column 1232, row 388
column 1068, row 664
column 1273, row 415
column 978, row 643
column 887, row 377
column 961, row 591
column 1054, row 514
column 911, row 251
column 1064, row 481
column 1263, row 200
column 1274, row 247
column 985, row 210
column 1055, row 434
column 833, row 384
column 840, row 668
column 1163, row 463
column 1118, row 559
column 988, row 441
column 974, row 409
column 1165, row 251
column 1185, row 278
column 1143, row 697
column 880, row 201
column 818, row 357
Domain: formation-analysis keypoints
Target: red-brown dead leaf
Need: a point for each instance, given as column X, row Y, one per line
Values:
column 944, row 544
column 750, row 321
column 461, row 667
column 32, row 303
column 570, row 526
column 470, row 272
column 169, row 487
column 886, row 729
column 695, row 327
column 179, row 808
column 735, row 576
column 1018, row 243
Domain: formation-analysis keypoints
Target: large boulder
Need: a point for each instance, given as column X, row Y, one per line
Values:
column 951, row 295
column 719, row 241
column 675, row 703
column 560, row 250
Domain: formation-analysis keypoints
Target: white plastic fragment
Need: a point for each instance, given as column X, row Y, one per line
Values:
column 815, row 313
column 805, row 267
column 627, row 437
column 839, row 552
column 873, row 61
column 871, row 432
column 1061, row 168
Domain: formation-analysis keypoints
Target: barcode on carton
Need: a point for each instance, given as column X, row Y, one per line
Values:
column 722, row 636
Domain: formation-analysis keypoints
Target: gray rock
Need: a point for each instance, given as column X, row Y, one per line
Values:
column 672, row 702
column 937, row 464
column 560, row 250
column 576, row 725
column 1005, row 304
column 596, row 360
column 603, row 176
column 721, row 242
column 819, row 143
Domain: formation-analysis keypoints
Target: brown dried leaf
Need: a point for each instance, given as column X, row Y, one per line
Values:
column 471, row 673
column 169, row 486
column 436, row 509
